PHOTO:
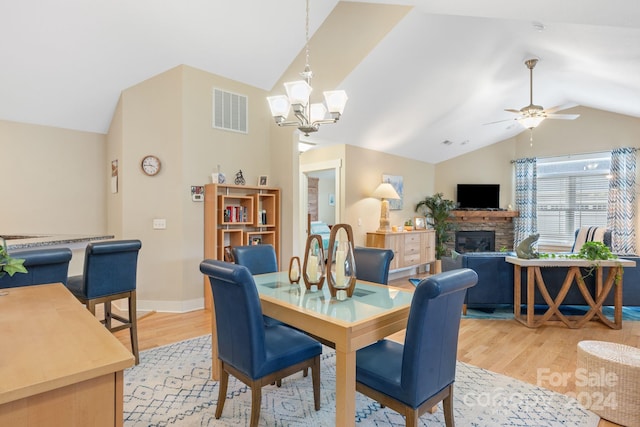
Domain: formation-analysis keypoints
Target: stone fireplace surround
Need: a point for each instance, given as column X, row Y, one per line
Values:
column 501, row 222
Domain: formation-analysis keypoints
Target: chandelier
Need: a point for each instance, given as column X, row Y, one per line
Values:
column 309, row 116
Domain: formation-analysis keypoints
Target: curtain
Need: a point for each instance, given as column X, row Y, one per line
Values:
column 526, row 199
column 622, row 201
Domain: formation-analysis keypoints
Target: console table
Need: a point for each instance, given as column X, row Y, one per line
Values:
column 574, row 275
column 59, row 366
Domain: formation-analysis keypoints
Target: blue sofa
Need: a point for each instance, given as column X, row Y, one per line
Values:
column 49, row 265
column 495, row 281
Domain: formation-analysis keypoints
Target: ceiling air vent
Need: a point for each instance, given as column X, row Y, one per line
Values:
column 230, row 111
column 447, row 142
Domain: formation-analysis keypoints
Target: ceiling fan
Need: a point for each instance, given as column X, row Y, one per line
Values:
column 532, row 115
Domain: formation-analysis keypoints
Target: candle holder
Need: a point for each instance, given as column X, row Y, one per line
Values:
column 294, row 270
column 341, row 266
column 313, row 267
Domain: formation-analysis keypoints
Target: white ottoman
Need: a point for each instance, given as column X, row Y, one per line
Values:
column 608, row 381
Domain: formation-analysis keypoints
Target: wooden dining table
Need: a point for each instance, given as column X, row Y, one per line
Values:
column 372, row 313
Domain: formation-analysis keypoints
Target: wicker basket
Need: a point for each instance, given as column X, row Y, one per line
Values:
column 608, row 379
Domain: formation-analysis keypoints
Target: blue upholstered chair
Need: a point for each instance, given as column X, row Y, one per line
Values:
column 110, row 274
column 45, row 265
column 259, row 259
column 414, row 377
column 251, row 351
column 372, row 264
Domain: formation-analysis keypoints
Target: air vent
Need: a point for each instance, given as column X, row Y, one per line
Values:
column 230, row 111
column 447, row 142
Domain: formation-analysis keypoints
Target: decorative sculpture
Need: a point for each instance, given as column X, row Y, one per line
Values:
column 313, row 267
column 341, row 266
column 525, row 249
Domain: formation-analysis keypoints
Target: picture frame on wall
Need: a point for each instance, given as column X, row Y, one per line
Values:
column 263, row 180
column 420, row 223
column 398, row 184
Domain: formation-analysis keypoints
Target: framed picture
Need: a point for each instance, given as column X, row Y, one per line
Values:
column 263, row 180
column 420, row 223
column 256, row 241
column 332, row 199
column 397, row 182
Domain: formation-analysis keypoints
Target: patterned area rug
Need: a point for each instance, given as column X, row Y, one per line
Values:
column 506, row 311
column 171, row 387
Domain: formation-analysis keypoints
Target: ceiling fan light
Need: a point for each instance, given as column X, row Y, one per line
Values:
column 298, row 92
column 530, row 122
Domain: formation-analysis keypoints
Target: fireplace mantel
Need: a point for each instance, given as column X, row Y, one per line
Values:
column 484, row 216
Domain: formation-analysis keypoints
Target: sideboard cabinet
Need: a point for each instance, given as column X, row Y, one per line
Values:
column 236, row 215
column 410, row 248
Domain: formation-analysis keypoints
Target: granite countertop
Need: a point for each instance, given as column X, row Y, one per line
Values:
column 25, row 241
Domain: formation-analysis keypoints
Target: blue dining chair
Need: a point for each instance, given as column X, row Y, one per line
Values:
column 372, row 264
column 44, row 265
column 254, row 353
column 110, row 274
column 259, row 259
column 414, row 377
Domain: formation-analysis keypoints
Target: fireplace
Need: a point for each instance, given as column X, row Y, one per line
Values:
column 475, row 241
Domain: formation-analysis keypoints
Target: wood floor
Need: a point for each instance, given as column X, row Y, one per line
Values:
column 503, row 346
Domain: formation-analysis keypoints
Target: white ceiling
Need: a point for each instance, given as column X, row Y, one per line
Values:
column 444, row 71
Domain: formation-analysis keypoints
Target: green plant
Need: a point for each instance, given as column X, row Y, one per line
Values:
column 437, row 210
column 8, row 264
column 592, row 251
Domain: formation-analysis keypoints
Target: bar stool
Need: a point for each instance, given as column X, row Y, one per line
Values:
column 109, row 275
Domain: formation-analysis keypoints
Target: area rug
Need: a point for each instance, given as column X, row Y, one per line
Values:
column 171, row 387
column 506, row 311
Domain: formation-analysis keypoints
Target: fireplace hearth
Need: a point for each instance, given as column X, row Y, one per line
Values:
column 475, row 241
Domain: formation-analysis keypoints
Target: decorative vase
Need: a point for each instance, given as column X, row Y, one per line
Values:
column 313, row 267
column 294, row 270
column 341, row 266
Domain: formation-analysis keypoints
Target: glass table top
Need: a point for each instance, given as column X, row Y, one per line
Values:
column 367, row 300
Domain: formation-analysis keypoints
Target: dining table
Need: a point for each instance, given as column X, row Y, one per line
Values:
column 372, row 313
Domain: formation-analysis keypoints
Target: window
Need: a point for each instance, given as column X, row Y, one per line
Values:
column 572, row 192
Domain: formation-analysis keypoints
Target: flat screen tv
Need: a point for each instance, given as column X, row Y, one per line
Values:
column 478, row 196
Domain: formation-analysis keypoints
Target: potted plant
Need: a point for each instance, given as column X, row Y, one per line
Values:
column 8, row 264
column 437, row 210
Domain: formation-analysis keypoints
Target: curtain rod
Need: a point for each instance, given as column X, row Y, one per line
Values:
column 581, row 154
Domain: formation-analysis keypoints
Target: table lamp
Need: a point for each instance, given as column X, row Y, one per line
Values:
column 385, row 191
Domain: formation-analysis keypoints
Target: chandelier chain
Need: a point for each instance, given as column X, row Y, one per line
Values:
column 307, row 73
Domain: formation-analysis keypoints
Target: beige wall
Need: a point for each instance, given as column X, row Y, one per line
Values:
column 170, row 116
column 54, row 180
column 361, row 172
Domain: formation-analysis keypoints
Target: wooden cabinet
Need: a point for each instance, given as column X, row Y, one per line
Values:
column 410, row 248
column 236, row 215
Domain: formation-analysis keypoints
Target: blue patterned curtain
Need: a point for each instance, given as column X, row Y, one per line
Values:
column 526, row 199
column 622, row 201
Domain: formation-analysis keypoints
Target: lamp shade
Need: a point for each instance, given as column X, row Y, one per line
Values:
column 385, row 191
column 298, row 92
column 279, row 105
column 335, row 100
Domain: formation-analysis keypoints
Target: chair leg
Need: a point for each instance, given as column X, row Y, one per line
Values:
column 315, row 379
column 91, row 306
column 447, row 406
column 222, row 390
column 133, row 330
column 412, row 418
column 256, row 400
column 464, row 309
column 107, row 314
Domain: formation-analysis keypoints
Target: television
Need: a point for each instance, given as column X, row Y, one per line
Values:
column 478, row 196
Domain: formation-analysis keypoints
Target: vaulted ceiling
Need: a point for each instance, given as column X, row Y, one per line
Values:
column 440, row 72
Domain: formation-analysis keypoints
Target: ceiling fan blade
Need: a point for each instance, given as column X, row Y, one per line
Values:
column 560, row 108
column 511, row 110
column 563, row 116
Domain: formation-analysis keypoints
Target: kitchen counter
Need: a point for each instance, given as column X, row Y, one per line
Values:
column 24, row 241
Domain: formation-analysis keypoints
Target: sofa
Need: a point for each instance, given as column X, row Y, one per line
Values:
column 495, row 281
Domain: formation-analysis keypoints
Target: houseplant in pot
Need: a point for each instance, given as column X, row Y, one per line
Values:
column 437, row 210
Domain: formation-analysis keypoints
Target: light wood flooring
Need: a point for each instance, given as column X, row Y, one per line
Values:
column 503, row 346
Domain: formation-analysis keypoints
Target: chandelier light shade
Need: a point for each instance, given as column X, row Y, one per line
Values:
column 308, row 116
column 385, row 192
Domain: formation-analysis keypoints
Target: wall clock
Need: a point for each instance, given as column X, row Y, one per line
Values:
column 150, row 165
